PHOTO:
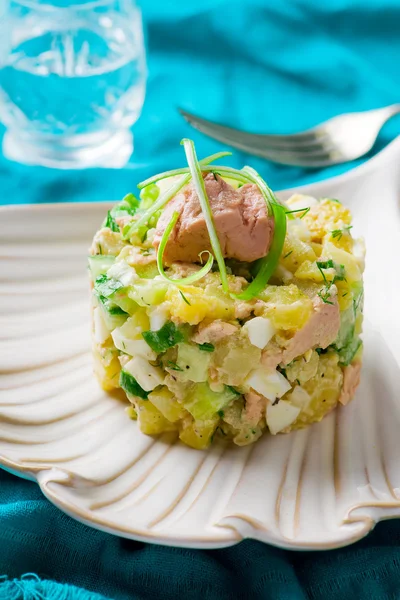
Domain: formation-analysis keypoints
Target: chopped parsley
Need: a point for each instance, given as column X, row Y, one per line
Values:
column 106, row 286
column 184, row 298
column 168, row 336
column 206, row 347
column 221, row 414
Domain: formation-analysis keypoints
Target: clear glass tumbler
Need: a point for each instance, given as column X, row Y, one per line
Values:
column 72, row 81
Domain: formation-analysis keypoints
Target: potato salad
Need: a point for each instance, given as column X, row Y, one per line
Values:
column 221, row 311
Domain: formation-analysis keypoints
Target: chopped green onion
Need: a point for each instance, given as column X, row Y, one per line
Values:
column 174, row 172
column 199, row 186
column 206, row 347
column 159, row 203
column 168, row 336
column 268, row 264
column 185, row 280
column 166, row 197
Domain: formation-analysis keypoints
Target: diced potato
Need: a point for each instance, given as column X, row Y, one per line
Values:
column 324, row 389
column 234, row 358
column 198, row 434
column 317, row 248
column 341, row 257
column 165, row 402
column 309, row 270
column 286, row 306
column 151, row 420
column 295, row 252
column 341, row 238
column 301, row 369
column 198, row 305
column 326, row 216
column 107, row 369
column 131, row 412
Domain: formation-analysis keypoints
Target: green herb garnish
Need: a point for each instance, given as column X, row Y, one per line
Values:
column 105, row 286
column 200, row 188
column 168, row 336
column 164, row 198
column 303, row 210
column 338, row 233
column 206, row 347
column 184, row 298
column 232, row 389
column 267, row 265
column 288, row 254
column 172, row 365
column 110, row 222
column 324, row 294
column 185, row 280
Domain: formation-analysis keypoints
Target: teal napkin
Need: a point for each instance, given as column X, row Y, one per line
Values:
column 273, row 67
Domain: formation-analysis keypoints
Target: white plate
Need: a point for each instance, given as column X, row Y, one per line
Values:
column 322, row 487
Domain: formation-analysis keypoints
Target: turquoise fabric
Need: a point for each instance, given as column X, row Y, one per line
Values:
column 262, row 66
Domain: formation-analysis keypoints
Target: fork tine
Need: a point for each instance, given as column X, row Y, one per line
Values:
column 306, row 156
column 296, row 141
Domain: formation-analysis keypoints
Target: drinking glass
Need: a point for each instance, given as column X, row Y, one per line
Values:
column 72, row 80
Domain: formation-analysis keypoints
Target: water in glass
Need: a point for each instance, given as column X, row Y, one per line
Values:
column 72, row 81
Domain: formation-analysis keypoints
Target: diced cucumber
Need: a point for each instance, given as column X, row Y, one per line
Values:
column 99, row 265
column 148, row 293
column 131, row 386
column 113, row 315
column 347, row 353
column 193, row 363
column 203, row 403
column 146, row 375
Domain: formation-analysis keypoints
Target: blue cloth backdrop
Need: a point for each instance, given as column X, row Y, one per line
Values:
column 262, row 66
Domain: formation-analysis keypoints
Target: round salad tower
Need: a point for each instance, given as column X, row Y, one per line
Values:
column 221, row 311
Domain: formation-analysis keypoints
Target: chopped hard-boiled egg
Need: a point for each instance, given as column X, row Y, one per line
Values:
column 158, row 316
column 299, row 201
column 147, row 376
column 281, row 415
column 270, row 384
column 260, row 330
column 101, row 333
column 132, row 347
column 123, row 272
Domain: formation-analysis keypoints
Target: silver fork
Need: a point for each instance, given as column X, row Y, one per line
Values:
column 341, row 139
